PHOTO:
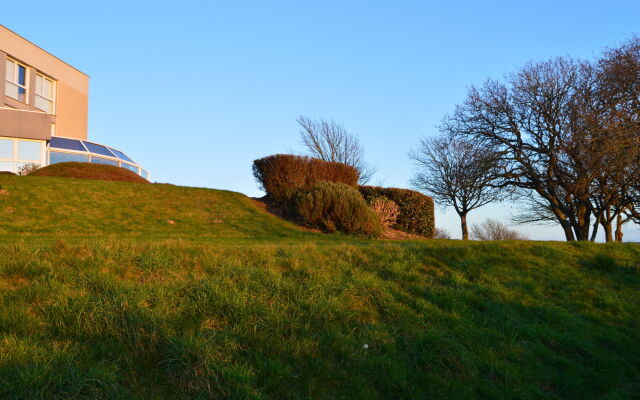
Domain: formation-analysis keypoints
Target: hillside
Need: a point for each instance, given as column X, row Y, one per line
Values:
column 101, row 301
column 63, row 207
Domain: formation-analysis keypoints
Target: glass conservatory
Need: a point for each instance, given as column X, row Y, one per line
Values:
column 15, row 153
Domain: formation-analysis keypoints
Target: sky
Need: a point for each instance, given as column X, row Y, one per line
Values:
column 194, row 91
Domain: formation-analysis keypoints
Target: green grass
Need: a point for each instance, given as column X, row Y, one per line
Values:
column 253, row 307
column 75, row 208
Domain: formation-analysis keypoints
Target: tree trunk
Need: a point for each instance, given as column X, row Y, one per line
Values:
column 568, row 232
column 583, row 224
column 608, row 231
column 594, row 230
column 619, row 223
column 463, row 224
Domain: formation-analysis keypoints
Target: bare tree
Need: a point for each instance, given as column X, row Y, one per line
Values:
column 330, row 141
column 456, row 173
column 569, row 135
column 536, row 121
column 492, row 229
column 615, row 192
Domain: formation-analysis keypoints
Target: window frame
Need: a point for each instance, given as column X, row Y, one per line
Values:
column 16, row 160
column 54, row 89
column 16, row 75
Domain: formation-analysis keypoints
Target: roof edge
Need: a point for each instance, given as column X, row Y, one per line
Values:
column 30, row 42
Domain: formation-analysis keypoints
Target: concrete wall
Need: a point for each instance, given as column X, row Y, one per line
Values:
column 72, row 97
column 25, row 124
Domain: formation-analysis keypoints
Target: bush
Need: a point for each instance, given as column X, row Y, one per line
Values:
column 416, row 210
column 338, row 207
column 281, row 176
column 491, row 229
column 386, row 209
column 28, row 169
column 441, row 234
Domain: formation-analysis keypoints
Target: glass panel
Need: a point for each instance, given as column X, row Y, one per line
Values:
column 120, row 155
column 129, row 167
column 144, row 174
column 39, row 85
column 29, row 150
column 22, row 94
column 11, row 90
column 67, row 144
column 6, row 148
column 11, row 69
column 56, row 157
column 100, row 160
column 47, row 88
column 98, row 149
column 44, row 104
column 22, row 75
column 6, row 166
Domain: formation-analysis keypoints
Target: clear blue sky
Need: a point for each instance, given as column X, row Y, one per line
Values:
column 196, row 90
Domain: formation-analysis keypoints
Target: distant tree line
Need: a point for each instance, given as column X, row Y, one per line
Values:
column 561, row 137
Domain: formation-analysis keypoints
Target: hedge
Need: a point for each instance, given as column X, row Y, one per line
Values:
column 337, row 207
column 416, row 210
column 281, row 176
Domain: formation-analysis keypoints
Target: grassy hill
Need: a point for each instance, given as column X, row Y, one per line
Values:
column 107, row 301
column 63, row 207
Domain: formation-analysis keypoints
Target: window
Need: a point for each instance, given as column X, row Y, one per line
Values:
column 15, row 153
column 16, row 81
column 56, row 157
column 29, row 151
column 45, row 94
column 98, row 149
column 66, row 144
column 6, row 148
column 100, row 160
column 129, row 167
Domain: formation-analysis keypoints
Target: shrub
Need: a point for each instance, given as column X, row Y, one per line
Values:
column 491, row 229
column 416, row 210
column 386, row 209
column 338, row 207
column 441, row 234
column 28, row 169
column 281, row 176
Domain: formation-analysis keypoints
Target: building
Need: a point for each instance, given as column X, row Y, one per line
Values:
column 44, row 104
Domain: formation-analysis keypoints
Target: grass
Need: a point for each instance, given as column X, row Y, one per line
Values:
column 200, row 309
column 76, row 208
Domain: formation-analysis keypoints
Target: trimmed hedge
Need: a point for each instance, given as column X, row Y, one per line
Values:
column 338, row 207
column 281, row 176
column 416, row 210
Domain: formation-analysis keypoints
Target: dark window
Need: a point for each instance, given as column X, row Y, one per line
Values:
column 120, row 155
column 67, row 144
column 98, row 149
column 22, row 75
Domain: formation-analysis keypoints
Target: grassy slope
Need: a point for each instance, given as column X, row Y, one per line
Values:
column 165, row 318
column 62, row 207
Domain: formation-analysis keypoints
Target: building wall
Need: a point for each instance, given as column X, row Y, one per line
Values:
column 72, row 86
column 25, row 124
